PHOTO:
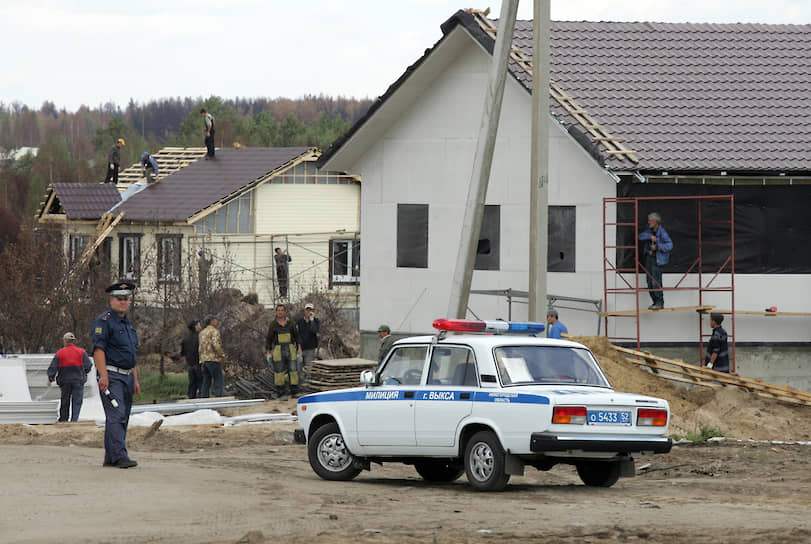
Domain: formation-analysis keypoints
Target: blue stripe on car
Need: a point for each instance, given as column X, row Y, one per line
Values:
column 426, row 394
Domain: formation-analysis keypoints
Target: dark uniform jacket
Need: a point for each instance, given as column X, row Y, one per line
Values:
column 308, row 332
column 117, row 338
column 70, row 365
column 282, row 339
column 718, row 344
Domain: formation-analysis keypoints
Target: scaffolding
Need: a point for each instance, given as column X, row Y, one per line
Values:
column 620, row 280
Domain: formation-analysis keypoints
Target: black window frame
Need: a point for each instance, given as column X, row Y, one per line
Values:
column 562, row 240
column 122, row 237
column 161, row 276
column 488, row 251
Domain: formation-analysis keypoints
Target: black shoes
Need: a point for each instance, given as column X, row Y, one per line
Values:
column 124, row 462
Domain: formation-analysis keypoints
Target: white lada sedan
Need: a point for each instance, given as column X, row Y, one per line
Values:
column 486, row 405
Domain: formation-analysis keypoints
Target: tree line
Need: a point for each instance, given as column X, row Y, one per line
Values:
column 73, row 146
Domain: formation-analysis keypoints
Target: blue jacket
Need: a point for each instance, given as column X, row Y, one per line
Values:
column 556, row 329
column 664, row 245
column 117, row 338
column 149, row 161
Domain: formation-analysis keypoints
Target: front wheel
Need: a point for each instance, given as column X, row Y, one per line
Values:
column 599, row 473
column 329, row 456
column 485, row 462
column 438, row 470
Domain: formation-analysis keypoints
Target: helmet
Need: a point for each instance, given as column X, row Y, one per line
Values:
column 121, row 141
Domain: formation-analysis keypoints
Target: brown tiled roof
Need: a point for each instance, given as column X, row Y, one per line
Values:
column 86, row 200
column 205, row 182
column 687, row 97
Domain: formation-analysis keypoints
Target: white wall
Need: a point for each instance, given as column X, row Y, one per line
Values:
column 427, row 157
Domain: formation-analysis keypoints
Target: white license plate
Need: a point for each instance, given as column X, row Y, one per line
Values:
column 609, row 417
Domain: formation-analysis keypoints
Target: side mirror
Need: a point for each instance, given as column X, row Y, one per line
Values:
column 368, row 377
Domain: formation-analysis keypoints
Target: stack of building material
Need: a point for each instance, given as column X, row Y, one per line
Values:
column 16, row 405
column 337, row 373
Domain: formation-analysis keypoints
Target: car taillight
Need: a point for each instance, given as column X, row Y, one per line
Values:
column 574, row 415
column 651, row 416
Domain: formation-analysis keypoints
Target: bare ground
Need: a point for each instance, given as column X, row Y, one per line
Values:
column 252, row 484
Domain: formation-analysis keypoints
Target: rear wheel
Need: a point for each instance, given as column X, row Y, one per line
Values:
column 438, row 470
column 329, row 456
column 599, row 473
column 485, row 462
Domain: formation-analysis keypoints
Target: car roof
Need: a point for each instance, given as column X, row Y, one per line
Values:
column 489, row 341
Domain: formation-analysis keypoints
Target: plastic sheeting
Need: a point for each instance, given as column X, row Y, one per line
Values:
column 771, row 225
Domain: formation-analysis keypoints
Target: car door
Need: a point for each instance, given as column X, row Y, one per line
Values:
column 385, row 415
column 447, row 397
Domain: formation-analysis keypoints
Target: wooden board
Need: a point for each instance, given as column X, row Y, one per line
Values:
column 702, row 309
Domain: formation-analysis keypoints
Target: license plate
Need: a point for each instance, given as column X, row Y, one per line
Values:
column 609, row 417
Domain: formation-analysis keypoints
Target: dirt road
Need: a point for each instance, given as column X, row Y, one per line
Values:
column 252, row 485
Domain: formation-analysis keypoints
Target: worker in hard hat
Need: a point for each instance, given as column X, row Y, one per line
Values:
column 114, row 161
column 149, row 167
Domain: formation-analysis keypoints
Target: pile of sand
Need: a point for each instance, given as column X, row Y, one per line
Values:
column 737, row 413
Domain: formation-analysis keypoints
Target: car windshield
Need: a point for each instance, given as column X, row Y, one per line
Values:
column 548, row 365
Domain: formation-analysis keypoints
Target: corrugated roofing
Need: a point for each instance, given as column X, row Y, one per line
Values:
column 205, row 182
column 86, row 200
column 688, row 96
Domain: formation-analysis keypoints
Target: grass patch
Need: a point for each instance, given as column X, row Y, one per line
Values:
column 156, row 388
column 701, row 435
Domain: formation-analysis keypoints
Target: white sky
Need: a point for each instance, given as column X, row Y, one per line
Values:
column 75, row 52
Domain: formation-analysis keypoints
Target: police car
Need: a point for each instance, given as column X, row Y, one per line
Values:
column 487, row 403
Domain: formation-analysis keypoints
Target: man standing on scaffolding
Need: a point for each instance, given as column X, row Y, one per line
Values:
column 656, row 251
column 282, row 258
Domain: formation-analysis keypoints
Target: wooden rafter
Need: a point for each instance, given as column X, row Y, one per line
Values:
column 170, row 160
column 105, row 226
column 613, row 146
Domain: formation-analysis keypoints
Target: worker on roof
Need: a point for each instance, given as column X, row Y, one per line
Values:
column 208, row 122
column 149, row 167
column 114, row 161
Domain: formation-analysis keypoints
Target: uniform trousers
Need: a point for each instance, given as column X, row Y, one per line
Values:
column 122, row 389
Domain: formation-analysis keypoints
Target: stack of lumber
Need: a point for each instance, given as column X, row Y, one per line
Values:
column 337, row 373
column 679, row 371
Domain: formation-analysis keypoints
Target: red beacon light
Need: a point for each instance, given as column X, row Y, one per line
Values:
column 493, row 327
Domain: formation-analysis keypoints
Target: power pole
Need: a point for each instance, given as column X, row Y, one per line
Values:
column 539, row 168
column 477, row 193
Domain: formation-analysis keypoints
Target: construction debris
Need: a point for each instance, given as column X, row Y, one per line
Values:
column 337, row 373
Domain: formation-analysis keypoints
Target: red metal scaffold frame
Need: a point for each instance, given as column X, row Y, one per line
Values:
column 698, row 267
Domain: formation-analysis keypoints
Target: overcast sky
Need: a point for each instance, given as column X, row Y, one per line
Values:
column 75, row 52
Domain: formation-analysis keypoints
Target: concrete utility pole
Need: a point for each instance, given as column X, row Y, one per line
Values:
column 477, row 193
column 539, row 169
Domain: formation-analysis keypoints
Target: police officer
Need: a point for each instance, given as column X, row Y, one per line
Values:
column 717, row 348
column 283, row 349
column 115, row 344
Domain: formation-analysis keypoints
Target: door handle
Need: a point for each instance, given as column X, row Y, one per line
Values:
column 464, row 395
column 409, row 394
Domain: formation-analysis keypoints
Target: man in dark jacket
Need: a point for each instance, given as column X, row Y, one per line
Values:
column 190, row 352
column 308, row 327
column 114, row 161
column 717, row 348
column 70, row 366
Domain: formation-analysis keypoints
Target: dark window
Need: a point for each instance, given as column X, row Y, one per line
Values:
column 168, row 258
column 412, row 235
column 77, row 245
column 487, row 252
column 344, row 261
column 129, row 257
column 561, row 248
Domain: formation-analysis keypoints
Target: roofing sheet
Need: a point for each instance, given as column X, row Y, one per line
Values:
column 205, row 182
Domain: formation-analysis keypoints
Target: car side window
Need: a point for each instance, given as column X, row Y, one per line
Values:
column 452, row 365
column 404, row 366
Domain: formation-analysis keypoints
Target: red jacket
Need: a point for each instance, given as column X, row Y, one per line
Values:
column 70, row 365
